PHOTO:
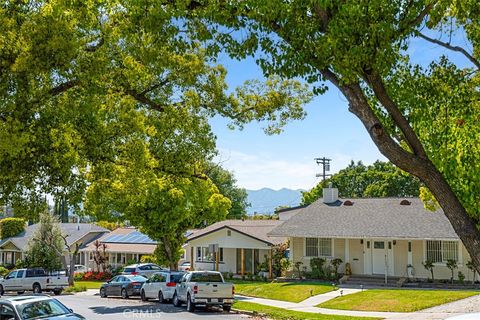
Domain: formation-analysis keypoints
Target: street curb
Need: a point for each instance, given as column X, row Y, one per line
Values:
column 249, row 313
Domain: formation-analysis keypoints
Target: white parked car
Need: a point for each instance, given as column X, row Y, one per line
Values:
column 205, row 288
column 80, row 268
column 36, row 280
column 161, row 286
column 142, row 269
column 185, row 266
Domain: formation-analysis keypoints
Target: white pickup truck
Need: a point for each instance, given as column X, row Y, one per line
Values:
column 205, row 288
column 36, row 280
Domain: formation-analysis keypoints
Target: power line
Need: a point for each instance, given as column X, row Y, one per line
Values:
column 325, row 162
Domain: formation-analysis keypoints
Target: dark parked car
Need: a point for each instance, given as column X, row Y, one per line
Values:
column 35, row 307
column 123, row 285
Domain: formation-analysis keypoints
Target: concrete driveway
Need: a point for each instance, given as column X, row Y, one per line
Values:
column 93, row 307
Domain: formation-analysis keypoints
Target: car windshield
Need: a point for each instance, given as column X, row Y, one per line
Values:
column 206, row 277
column 42, row 309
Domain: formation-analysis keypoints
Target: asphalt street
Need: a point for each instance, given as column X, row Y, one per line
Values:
column 94, row 307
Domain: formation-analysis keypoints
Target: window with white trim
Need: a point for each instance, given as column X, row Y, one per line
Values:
column 204, row 255
column 441, row 251
column 318, row 247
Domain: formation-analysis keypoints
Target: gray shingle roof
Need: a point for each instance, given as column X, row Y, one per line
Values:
column 257, row 229
column 369, row 217
column 73, row 230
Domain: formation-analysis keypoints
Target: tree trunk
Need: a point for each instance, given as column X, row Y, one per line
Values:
column 71, row 271
column 420, row 167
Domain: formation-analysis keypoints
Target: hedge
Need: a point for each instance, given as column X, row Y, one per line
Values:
column 10, row 227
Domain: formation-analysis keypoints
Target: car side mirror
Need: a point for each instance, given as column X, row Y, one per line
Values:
column 71, row 310
column 148, row 281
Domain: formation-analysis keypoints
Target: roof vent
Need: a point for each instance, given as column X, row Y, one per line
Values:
column 405, row 202
column 330, row 195
column 348, row 203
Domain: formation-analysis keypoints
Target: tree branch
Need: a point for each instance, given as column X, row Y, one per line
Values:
column 453, row 48
column 376, row 82
column 142, row 98
column 63, row 87
column 418, row 19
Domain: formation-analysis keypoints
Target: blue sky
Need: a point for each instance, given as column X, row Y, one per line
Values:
column 287, row 160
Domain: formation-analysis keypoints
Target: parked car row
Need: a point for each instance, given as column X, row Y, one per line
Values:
column 196, row 288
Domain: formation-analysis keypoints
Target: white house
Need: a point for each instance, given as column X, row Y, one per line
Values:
column 375, row 236
column 234, row 246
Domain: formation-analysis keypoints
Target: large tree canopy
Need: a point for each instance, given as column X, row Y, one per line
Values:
column 422, row 118
column 106, row 104
column 380, row 179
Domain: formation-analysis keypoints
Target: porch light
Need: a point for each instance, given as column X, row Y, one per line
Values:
column 394, row 242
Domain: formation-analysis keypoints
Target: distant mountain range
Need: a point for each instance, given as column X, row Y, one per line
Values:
column 265, row 200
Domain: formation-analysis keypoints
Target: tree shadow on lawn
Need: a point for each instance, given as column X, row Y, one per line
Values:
column 149, row 308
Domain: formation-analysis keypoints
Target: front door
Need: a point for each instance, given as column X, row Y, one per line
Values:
column 379, row 256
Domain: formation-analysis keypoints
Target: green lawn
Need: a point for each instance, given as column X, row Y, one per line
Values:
column 285, row 291
column 282, row 314
column 89, row 284
column 395, row 300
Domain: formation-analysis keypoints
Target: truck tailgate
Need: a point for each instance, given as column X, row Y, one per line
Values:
column 214, row 290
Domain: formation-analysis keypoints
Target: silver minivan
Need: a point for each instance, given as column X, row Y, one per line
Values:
column 161, row 286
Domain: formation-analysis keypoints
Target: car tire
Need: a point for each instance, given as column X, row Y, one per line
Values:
column 176, row 302
column 57, row 292
column 1, row 290
column 124, row 294
column 36, row 288
column 20, row 292
column 227, row 307
column 142, row 296
column 190, row 304
column 103, row 293
column 160, row 297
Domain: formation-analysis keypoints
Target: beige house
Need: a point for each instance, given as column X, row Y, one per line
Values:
column 386, row 236
column 13, row 249
column 234, row 246
column 122, row 245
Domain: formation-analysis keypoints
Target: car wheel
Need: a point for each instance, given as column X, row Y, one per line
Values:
column 124, row 294
column 227, row 307
column 57, row 292
column 1, row 290
column 36, row 288
column 103, row 293
column 190, row 304
column 160, row 297
column 142, row 296
column 176, row 302
column 20, row 292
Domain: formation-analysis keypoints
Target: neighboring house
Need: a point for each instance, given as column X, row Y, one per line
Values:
column 122, row 245
column 240, row 245
column 375, row 236
column 287, row 213
column 13, row 248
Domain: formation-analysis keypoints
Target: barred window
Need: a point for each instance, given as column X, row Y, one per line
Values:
column 441, row 251
column 318, row 247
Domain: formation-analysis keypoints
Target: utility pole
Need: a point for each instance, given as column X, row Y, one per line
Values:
column 325, row 162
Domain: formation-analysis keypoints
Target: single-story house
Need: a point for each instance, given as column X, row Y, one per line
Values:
column 236, row 246
column 121, row 246
column 375, row 236
column 13, row 248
